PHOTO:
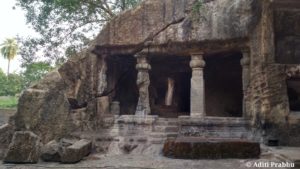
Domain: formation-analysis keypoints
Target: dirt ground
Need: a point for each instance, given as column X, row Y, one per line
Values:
column 270, row 157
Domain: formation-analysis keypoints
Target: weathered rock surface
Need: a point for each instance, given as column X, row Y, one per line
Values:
column 24, row 148
column 50, row 152
column 176, row 21
column 198, row 148
column 6, row 133
column 76, row 152
column 44, row 108
column 68, row 150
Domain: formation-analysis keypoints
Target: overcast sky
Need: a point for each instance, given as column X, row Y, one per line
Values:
column 13, row 23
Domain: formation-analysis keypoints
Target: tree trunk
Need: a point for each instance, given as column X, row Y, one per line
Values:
column 8, row 67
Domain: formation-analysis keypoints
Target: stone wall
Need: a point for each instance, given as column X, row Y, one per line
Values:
column 267, row 100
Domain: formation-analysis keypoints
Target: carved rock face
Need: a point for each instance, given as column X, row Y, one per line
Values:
column 167, row 21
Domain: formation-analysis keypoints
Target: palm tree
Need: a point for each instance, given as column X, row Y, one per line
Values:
column 9, row 50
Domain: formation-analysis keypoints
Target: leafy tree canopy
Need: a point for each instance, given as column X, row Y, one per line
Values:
column 34, row 72
column 10, row 85
column 66, row 26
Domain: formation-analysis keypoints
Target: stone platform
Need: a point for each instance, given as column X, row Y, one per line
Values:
column 199, row 148
column 215, row 127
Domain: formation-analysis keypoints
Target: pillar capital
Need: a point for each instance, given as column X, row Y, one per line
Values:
column 142, row 62
column 141, row 54
column 197, row 60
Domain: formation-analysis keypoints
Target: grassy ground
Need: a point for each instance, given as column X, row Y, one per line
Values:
column 8, row 102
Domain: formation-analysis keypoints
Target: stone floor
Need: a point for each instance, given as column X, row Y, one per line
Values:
column 149, row 162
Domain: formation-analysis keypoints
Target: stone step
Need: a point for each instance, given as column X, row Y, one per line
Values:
column 166, row 121
column 157, row 140
column 96, row 136
column 206, row 133
column 214, row 121
column 215, row 127
column 172, row 129
column 163, row 128
column 172, row 134
column 158, row 135
column 163, row 134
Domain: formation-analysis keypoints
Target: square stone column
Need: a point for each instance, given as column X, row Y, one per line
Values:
column 197, row 85
column 245, row 62
column 143, row 82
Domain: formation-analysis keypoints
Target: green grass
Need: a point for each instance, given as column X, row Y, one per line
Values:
column 8, row 102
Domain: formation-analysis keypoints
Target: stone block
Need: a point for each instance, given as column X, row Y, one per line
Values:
column 24, row 148
column 76, row 152
column 6, row 134
column 50, row 152
column 197, row 148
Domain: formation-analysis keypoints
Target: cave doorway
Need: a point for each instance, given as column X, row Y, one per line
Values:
column 170, row 83
column 223, row 84
column 121, row 82
column 293, row 90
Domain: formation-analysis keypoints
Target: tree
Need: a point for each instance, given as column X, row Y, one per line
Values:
column 67, row 26
column 34, row 72
column 9, row 50
column 10, row 84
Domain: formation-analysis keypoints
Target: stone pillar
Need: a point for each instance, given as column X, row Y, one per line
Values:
column 102, row 79
column 143, row 82
column 197, row 85
column 245, row 62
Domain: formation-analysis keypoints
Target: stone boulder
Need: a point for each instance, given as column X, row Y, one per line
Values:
column 24, row 148
column 76, row 152
column 6, row 133
column 44, row 109
column 54, row 150
column 50, row 152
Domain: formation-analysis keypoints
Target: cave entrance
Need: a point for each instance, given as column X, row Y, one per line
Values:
column 223, row 85
column 293, row 89
column 170, row 79
column 121, row 79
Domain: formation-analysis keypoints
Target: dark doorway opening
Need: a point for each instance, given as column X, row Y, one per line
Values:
column 170, row 86
column 121, row 78
column 293, row 89
column 223, row 85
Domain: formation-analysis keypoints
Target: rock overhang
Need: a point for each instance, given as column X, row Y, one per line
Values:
column 170, row 25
